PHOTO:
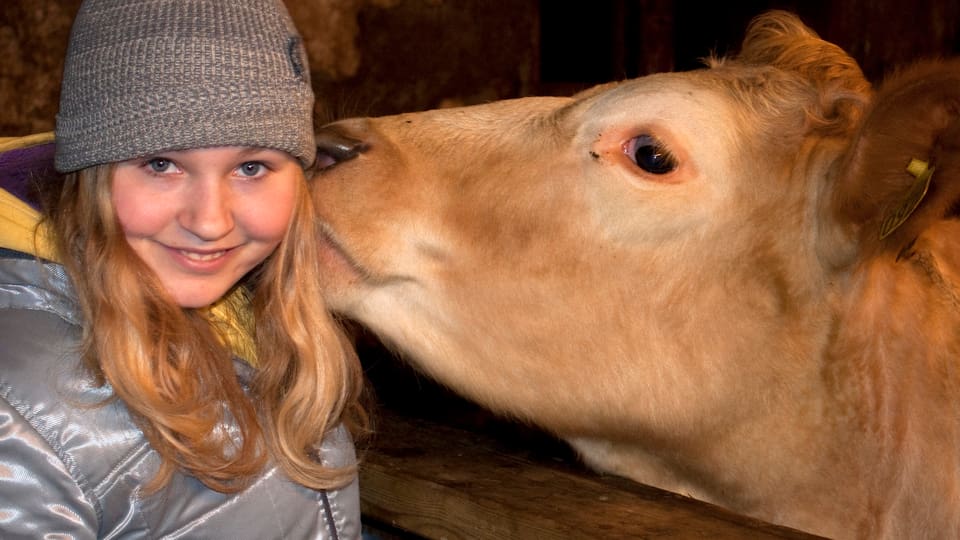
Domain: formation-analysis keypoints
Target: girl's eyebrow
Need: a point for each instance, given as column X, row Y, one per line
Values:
column 243, row 152
column 257, row 153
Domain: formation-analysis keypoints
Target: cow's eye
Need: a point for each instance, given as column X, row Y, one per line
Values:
column 650, row 154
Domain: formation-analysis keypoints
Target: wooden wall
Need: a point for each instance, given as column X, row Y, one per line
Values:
column 384, row 56
column 367, row 56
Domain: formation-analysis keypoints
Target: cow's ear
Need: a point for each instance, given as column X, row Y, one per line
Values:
column 902, row 172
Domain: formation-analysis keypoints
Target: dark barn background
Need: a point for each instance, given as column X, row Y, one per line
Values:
column 384, row 56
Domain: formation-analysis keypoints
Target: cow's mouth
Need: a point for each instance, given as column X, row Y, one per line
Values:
column 338, row 265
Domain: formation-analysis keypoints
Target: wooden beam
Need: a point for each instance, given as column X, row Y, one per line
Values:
column 436, row 481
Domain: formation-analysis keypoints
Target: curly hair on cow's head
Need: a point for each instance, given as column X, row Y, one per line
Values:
column 779, row 39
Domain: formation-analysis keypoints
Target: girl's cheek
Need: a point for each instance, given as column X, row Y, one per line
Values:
column 272, row 224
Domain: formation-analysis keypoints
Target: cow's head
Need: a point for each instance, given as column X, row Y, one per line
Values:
column 620, row 250
column 676, row 273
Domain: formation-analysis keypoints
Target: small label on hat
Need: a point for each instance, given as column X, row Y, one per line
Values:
column 295, row 53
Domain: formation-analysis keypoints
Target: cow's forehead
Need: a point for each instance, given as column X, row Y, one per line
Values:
column 694, row 117
column 676, row 101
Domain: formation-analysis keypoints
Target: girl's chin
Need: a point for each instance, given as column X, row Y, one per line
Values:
column 199, row 295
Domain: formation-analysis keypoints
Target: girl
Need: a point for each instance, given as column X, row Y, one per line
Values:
column 167, row 367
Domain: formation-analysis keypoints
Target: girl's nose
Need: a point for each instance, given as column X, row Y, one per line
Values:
column 207, row 211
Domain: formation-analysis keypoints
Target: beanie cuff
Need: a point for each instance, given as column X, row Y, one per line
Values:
column 148, row 76
column 189, row 122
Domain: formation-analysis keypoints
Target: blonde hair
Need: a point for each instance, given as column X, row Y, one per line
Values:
column 174, row 373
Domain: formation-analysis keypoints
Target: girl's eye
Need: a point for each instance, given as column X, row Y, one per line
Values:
column 650, row 154
column 251, row 169
column 161, row 165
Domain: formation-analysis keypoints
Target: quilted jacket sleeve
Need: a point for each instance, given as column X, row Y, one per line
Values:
column 38, row 495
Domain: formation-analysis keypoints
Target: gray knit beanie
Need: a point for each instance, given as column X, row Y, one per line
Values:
column 147, row 76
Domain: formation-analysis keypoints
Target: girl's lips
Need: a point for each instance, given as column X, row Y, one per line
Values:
column 200, row 256
column 206, row 261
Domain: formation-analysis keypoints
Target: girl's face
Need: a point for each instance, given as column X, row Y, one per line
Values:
column 202, row 218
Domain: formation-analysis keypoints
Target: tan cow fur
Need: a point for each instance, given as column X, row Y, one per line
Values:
column 735, row 329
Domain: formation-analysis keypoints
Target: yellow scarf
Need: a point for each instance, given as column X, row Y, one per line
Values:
column 18, row 221
column 20, row 230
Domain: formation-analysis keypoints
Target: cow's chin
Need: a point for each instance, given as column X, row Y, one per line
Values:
column 393, row 308
column 340, row 276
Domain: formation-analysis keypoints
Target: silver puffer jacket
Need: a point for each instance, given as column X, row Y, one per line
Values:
column 68, row 470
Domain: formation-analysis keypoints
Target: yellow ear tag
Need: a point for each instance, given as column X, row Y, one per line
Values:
column 923, row 172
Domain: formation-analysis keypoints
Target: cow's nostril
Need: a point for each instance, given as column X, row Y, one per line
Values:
column 333, row 146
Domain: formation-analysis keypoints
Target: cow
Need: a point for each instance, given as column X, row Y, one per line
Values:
column 738, row 283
